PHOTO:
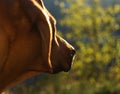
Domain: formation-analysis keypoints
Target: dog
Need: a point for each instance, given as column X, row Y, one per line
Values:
column 29, row 44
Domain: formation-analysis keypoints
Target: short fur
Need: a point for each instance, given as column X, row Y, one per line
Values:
column 28, row 42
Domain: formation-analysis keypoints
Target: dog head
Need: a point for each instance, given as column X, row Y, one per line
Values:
column 29, row 44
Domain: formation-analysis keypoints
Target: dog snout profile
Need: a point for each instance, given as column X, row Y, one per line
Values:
column 62, row 55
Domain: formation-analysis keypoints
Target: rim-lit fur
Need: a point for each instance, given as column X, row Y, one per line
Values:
column 28, row 42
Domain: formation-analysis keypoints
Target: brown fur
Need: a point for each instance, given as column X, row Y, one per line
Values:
column 28, row 42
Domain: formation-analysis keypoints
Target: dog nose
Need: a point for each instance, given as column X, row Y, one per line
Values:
column 72, row 52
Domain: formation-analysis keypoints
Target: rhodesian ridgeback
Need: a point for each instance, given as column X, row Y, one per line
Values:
column 29, row 44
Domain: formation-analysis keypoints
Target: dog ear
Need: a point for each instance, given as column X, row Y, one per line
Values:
column 36, row 14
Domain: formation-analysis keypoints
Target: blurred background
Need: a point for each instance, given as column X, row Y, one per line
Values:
column 93, row 28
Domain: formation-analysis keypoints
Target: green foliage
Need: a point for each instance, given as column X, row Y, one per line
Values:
column 96, row 69
column 97, row 60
